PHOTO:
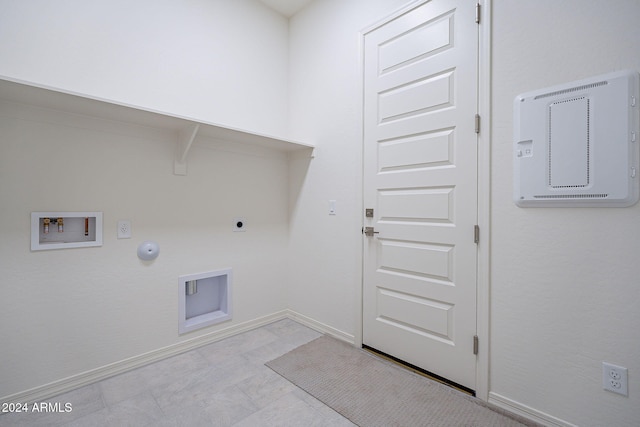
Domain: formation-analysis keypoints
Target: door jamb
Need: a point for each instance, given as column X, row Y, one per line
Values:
column 483, row 305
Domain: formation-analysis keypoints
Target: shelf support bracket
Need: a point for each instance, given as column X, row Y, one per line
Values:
column 185, row 139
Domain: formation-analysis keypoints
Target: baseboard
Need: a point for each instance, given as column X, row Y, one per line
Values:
column 526, row 411
column 64, row 385
column 320, row 327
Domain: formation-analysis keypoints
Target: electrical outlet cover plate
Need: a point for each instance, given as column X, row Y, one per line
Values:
column 614, row 378
column 124, row 229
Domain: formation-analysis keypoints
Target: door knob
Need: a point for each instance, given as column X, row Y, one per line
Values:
column 369, row 231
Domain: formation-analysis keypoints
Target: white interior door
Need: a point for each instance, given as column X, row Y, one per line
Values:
column 420, row 179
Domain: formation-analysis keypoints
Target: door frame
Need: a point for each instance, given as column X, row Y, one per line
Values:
column 484, row 190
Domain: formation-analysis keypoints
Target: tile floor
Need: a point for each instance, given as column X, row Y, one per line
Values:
column 222, row 384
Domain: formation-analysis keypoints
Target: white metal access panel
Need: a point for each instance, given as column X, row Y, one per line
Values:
column 420, row 157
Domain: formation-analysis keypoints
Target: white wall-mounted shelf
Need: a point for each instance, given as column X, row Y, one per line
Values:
column 186, row 129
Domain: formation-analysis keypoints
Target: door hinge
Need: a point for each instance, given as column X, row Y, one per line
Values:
column 477, row 123
column 475, row 344
column 476, row 234
column 477, row 13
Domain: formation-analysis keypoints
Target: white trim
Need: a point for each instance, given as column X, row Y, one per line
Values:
column 483, row 305
column 359, row 289
column 73, row 382
column 407, row 8
column 79, row 380
column 526, row 411
column 321, row 327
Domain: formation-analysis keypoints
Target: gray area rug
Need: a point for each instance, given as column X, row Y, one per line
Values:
column 371, row 391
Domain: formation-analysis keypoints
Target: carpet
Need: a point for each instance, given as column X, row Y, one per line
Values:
column 372, row 392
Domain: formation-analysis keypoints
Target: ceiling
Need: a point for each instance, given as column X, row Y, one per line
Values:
column 288, row 8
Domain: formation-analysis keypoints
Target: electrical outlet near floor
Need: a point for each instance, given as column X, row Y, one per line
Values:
column 614, row 378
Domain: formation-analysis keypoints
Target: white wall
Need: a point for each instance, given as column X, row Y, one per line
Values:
column 213, row 60
column 325, row 105
column 66, row 312
column 564, row 282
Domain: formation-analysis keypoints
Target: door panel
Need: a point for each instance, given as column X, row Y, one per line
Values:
column 420, row 157
column 419, row 205
column 423, row 316
column 416, row 151
column 428, row 94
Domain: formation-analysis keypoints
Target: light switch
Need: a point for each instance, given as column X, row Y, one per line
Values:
column 332, row 207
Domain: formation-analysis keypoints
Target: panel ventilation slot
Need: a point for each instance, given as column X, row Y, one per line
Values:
column 572, row 196
column 561, row 163
column 573, row 89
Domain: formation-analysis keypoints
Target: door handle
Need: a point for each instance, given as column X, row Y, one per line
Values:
column 369, row 231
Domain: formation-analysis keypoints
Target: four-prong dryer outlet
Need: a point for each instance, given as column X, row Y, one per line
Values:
column 239, row 224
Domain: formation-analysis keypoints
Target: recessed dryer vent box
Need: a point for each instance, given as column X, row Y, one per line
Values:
column 576, row 145
column 204, row 299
